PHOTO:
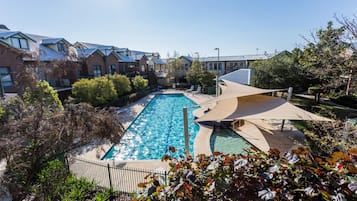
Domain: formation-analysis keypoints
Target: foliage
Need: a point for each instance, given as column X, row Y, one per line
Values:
column 326, row 58
column 121, row 83
column 140, row 83
column 194, row 74
column 30, row 136
column 50, row 178
column 44, row 94
column 152, row 78
column 327, row 137
column 1, row 111
column 280, row 71
column 207, row 79
column 98, row 91
column 297, row 175
column 349, row 101
column 175, row 66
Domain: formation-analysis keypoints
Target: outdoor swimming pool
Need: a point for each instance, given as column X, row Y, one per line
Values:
column 158, row 126
column 227, row 141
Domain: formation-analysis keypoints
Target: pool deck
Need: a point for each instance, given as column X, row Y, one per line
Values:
column 262, row 134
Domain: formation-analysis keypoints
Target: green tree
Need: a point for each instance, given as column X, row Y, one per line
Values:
column 121, row 83
column 140, row 83
column 326, row 58
column 280, row 71
column 195, row 72
column 206, row 79
column 44, row 94
column 175, row 65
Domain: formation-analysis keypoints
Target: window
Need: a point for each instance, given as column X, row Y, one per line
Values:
column 112, row 69
column 61, row 47
column 19, row 43
column 97, row 72
column 215, row 66
column 220, row 66
column 6, row 79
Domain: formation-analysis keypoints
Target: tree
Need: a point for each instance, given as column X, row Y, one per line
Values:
column 43, row 93
column 280, row 71
column 326, row 57
column 175, row 66
column 140, row 83
column 31, row 136
column 121, row 83
column 195, row 72
column 152, row 78
column 206, row 79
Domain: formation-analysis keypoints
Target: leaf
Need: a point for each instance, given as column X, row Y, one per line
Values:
column 142, row 185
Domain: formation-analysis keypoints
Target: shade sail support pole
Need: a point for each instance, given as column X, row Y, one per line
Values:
column 290, row 94
column 185, row 126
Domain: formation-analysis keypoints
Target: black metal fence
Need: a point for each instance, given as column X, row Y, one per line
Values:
column 112, row 175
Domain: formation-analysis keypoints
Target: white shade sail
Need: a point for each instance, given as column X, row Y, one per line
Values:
column 257, row 107
column 233, row 90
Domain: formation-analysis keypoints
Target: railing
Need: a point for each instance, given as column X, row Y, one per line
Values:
column 113, row 176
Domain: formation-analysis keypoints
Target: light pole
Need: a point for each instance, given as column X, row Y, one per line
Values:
column 217, row 87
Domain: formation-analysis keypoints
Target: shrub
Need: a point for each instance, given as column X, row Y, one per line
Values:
column 1, row 111
column 98, row 91
column 140, row 83
column 314, row 90
column 121, row 83
column 256, row 176
column 82, row 90
column 349, row 101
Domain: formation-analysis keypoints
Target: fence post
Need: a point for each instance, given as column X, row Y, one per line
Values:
column 110, row 177
column 66, row 163
column 165, row 178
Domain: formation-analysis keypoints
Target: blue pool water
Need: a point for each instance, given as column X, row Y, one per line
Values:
column 227, row 141
column 158, row 126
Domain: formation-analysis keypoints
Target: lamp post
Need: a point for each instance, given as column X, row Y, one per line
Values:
column 217, row 87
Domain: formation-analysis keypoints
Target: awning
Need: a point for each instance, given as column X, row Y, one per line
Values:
column 257, row 107
column 233, row 90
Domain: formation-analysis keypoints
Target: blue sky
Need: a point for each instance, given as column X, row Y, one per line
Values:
column 235, row 26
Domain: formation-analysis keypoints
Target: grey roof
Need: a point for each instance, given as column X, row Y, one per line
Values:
column 160, row 61
column 47, row 54
column 6, row 34
column 125, row 59
column 86, row 52
column 237, row 58
column 188, row 58
column 100, row 46
column 49, row 41
column 4, row 43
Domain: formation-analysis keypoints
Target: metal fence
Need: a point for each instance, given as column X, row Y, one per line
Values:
column 113, row 176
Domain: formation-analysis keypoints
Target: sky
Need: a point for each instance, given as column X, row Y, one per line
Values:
column 236, row 27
